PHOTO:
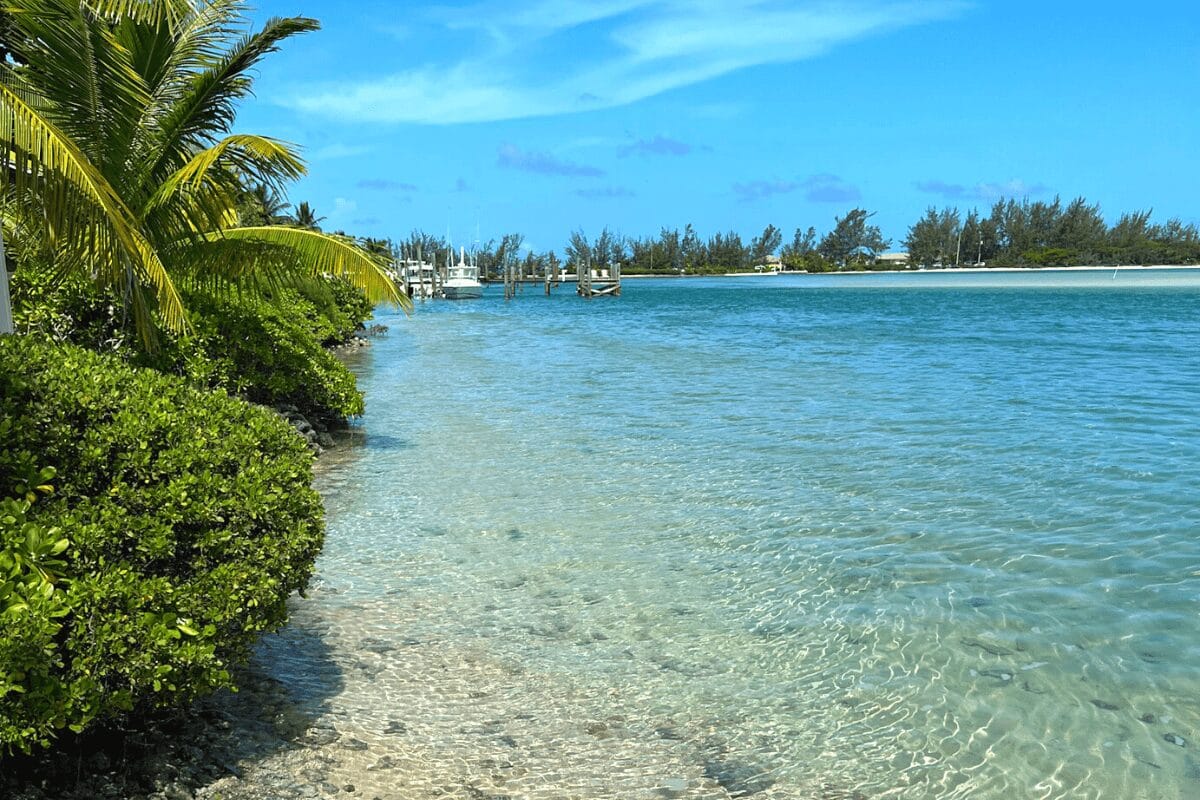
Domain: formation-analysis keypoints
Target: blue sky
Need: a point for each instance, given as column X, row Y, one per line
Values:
column 545, row 117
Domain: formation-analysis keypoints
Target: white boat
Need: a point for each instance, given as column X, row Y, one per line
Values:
column 462, row 280
column 416, row 276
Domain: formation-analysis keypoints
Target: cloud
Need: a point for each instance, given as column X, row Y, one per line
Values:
column 384, row 185
column 987, row 192
column 824, row 188
column 503, row 58
column 513, row 157
column 757, row 190
column 367, row 221
column 605, row 192
column 658, row 146
column 829, row 189
column 344, row 211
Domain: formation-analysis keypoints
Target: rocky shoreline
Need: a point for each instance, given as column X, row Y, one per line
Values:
column 314, row 430
column 190, row 754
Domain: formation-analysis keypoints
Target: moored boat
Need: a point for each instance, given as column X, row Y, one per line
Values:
column 462, row 280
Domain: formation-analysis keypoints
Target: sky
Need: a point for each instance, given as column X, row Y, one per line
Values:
column 483, row 118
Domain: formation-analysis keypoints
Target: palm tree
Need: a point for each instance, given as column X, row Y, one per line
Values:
column 307, row 218
column 120, row 156
column 262, row 205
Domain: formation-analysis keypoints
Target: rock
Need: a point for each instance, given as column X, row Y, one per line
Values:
column 355, row 744
column 312, row 774
column 1149, row 719
column 991, row 648
column 174, row 791
column 320, row 736
column 740, row 780
column 1104, row 704
column 1175, row 739
column 325, row 440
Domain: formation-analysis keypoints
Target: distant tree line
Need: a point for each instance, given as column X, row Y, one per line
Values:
column 1014, row 234
column 1047, row 234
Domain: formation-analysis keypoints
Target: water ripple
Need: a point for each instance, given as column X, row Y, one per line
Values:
column 785, row 540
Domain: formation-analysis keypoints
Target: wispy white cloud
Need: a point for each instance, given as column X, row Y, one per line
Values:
column 986, row 191
column 513, row 157
column 344, row 210
column 622, row 51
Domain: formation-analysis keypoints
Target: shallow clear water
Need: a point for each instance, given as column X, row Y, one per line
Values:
column 906, row 537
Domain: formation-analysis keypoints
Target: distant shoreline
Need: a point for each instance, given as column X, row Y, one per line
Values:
column 946, row 271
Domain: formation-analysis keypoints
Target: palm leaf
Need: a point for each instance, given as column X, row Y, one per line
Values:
column 80, row 204
column 206, row 107
column 92, row 92
column 324, row 254
column 153, row 12
column 217, row 166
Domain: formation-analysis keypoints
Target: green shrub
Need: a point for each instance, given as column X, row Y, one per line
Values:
column 1049, row 257
column 179, row 523
column 342, row 306
column 266, row 352
column 266, row 349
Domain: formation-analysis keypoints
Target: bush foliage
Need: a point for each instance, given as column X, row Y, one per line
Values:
column 268, row 348
column 267, row 351
column 149, row 532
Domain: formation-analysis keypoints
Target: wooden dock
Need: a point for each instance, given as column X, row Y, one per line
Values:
column 598, row 283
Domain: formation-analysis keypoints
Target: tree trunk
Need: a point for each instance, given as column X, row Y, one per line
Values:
column 6, row 320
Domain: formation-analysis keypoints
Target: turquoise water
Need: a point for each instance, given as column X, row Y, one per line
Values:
column 915, row 536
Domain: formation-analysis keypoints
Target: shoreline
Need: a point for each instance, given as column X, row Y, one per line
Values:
column 946, row 271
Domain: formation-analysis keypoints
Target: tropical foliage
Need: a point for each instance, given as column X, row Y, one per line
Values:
column 268, row 347
column 151, row 529
column 123, row 164
column 1046, row 234
column 149, row 532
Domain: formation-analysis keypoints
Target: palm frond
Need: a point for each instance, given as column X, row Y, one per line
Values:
column 218, row 166
column 79, row 204
column 154, row 12
column 92, row 92
column 319, row 253
column 169, row 58
column 206, row 108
